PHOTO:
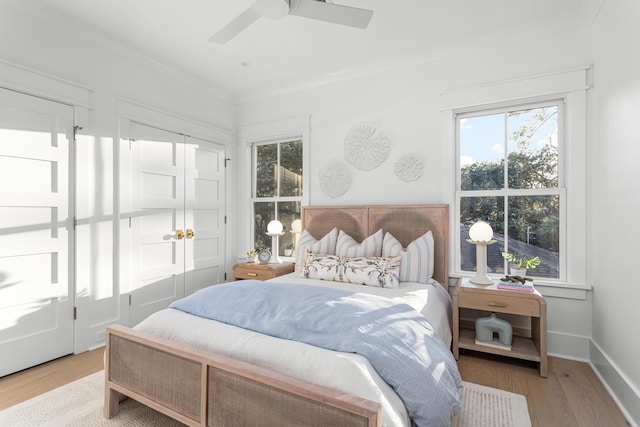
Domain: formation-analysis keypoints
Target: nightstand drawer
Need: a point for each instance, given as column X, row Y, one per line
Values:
column 500, row 303
column 244, row 271
column 255, row 274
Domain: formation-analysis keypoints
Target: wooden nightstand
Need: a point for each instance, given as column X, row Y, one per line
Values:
column 261, row 271
column 489, row 298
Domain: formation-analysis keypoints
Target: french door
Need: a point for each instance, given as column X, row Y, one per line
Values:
column 36, row 231
column 177, row 204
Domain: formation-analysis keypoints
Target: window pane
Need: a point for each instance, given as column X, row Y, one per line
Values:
column 264, row 212
column 291, row 169
column 491, row 210
column 482, row 146
column 266, row 163
column 287, row 213
column 534, row 223
column 533, row 148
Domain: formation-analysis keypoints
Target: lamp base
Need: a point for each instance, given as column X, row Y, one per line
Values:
column 481, row 279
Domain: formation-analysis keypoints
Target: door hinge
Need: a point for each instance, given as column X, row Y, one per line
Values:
column 75, row 223
column 76, row 128
column 225, row 276
column 129, row 222
column 75, row 313
column 225, row 219
column 131, row 140
column 129, row 299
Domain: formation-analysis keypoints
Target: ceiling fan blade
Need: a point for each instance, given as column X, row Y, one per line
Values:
column 234, row 27
column 329, row 12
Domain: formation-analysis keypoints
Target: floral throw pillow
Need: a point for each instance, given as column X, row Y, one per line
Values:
column 370, row 271
column 326, row 245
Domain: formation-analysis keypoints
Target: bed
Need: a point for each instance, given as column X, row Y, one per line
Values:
column 206, row 372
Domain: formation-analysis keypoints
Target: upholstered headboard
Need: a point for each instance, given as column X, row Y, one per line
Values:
column 405, row 222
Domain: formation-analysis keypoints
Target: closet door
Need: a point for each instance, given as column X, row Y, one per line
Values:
column 157, row 219
column 204, row 214
column 36, row 289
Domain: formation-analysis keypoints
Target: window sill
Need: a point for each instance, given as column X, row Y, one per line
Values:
column 548, row 287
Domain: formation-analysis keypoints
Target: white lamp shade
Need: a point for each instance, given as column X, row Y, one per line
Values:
column 274, row 227
column 481, row 232
column 296, row 226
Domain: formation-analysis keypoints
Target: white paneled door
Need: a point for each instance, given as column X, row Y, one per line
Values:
column 204, row 214
column 177, row 214
column 36, row 289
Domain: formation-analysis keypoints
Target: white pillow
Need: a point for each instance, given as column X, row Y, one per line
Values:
column 417, row 259
column 370, row 247
column 326, row 245
column 371, row 271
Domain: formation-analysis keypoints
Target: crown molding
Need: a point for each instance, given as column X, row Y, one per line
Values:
column 576, row 20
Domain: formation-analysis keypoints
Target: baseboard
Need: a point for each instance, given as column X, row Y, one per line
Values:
column 616, row 383
column 568, row 346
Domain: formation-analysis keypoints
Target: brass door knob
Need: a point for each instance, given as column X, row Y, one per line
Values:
column 190, row 233
column 179, row 234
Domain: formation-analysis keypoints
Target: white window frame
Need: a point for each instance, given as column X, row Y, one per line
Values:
column 289, row 129
column 503, row 192
column 254, row 178
column 571, row 86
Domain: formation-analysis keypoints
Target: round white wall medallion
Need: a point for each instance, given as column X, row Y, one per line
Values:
column 409, row 167
column 335, row 179
column 363, row 148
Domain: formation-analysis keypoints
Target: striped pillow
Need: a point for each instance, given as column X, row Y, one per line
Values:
column 417, row 259
column 326, row 245
column 370, row 247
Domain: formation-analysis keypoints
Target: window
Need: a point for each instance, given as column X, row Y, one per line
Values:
column 510, row 175
column 277, row 191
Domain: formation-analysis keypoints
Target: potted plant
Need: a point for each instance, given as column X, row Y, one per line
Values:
column 251, row 255
column 518, row 266
column 288, row 251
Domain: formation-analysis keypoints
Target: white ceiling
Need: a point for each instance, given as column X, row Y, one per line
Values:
column 290, row 51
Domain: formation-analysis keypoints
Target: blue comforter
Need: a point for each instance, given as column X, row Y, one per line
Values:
column 397, row 340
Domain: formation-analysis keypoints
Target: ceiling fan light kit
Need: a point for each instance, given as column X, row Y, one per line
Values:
column 275, row 9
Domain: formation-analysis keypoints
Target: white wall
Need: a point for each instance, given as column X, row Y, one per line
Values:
column 406, row 105
column 614, row 204
column 53, row 50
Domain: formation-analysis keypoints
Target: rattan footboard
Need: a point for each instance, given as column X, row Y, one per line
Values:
column 199, row 388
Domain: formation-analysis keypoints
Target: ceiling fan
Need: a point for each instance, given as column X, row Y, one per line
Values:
column 274, row 9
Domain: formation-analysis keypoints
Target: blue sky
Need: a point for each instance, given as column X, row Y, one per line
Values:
column 482, row 138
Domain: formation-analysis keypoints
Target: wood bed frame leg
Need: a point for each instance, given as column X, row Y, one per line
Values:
column 111, row 403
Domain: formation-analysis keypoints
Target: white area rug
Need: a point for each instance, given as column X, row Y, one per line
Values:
column 80, row 404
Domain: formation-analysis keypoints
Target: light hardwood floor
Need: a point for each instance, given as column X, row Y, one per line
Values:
column 571, row 396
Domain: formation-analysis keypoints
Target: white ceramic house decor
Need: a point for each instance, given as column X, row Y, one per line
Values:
column 365, row 149
column 487, row 326
column 409, row 167
column 335, row 179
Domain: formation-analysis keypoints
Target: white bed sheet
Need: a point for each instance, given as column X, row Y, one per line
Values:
column 347, row 372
